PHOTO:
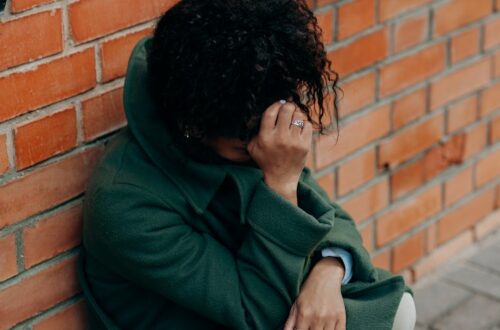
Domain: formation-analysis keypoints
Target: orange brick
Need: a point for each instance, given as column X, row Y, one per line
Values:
column 407, row 215
column 368, row 202
column 4, row 157
column 461, row 114
column 327, row 183
column 359, row 54
column 407, row 179
column 495, row 130
column 358, row 93
column 356, row 172
column 325, row 22
column 486, row 226
column 459, row 82
column 457, row 13
column 491, row 35
column 408, row 252
column 442, row 255
column 490, row 100
column 391, row 8
column 41, row 35
column 411, row 31
column 458, row 186
column 320, row 3
column 355, row 16
column 475, row 141
column 51, row 236
column 103, row 114
column 430, row 238
column 72, row 317
column 411, row 141
column 465, row 216
column 488, row 168
column 412, row 69
column 8, row 263
column 91, row 19
column 366, row 235
column 408, row 108
column 43, row 188
column 116, row 53
column 45, row 289
column 44, row 137
column 465, row 45
column 353, row 135
column 496, row 64
column 382, row 260
column 20, row 5
column 18, row 92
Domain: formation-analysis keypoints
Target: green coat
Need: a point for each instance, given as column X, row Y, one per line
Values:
column 157, row 255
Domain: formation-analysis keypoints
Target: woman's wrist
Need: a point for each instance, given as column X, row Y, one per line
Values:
column 332, row 267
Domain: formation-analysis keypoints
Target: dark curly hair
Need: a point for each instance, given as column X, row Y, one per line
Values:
column 216, row 65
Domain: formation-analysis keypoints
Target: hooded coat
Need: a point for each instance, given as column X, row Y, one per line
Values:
column 173, row 243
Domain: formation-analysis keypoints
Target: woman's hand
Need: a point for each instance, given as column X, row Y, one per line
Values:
column 280, row 149
column 320, row 305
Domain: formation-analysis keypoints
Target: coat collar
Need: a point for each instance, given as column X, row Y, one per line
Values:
column 197, row 181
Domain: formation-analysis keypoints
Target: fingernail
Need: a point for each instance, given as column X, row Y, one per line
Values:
column 282, row 101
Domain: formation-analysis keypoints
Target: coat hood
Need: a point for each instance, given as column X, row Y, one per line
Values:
column 197, row 181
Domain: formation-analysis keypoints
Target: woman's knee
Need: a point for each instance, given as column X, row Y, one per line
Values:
column 406, row 315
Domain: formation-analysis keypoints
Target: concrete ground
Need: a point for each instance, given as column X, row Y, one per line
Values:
column 465, row 293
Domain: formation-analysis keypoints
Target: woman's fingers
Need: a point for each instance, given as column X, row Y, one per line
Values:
column 269, row 117
column 285, row 117
column 290, row 322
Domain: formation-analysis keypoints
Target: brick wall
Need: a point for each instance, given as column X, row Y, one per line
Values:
column 417, row 163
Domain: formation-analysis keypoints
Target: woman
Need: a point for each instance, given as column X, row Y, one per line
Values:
column 202, row 213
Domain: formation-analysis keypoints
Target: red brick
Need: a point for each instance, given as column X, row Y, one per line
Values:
column 43, row 188
column 465, row 216
column 458, row 186
column 4, row 157
column 368, row 202
column 51, row 236
column 442, row 255
column 320, row 3
column 408, row 108
column 496, row 64
column 457, row 13
column 410, row 141
column 21, row 92
column 20, row 5
column 411, row 31
column 327, row 183
column 465, row 45
column 491, row 35
column 382, row 260
column 407, row 179
column 41, row 35
column 116, row 53
column 430, row 238
column 355, row 16
column 73, row 317
column 44, row 137
column 366, row 236
column 462, row 113
column 408, row 252
column 412, row 69
column 358, row 93
column 356, row 172
column 361, row 53
column 490, row 100
column 476, row 140
column 103, row 114
column 409, row 214
column 91, row 19
column 488, row 168
column 325, row 22
column 495, row 130
column 459, row 82
column 391, row 8
column 43, row 290
column 8, row 263
column 353, row 135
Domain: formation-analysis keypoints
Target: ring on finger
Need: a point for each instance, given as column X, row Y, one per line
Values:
column 298, row 122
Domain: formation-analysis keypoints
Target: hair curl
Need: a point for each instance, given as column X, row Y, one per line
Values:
column 216, row 66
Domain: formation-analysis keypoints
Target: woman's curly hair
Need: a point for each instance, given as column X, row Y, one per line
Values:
column 216, row 65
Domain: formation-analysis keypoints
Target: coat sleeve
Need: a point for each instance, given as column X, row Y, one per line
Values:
column 343, row 235
column 135, row 234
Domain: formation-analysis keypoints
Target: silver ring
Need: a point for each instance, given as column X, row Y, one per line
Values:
column 298, row 122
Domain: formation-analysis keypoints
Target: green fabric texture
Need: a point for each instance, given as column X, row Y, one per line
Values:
column 172, row 243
